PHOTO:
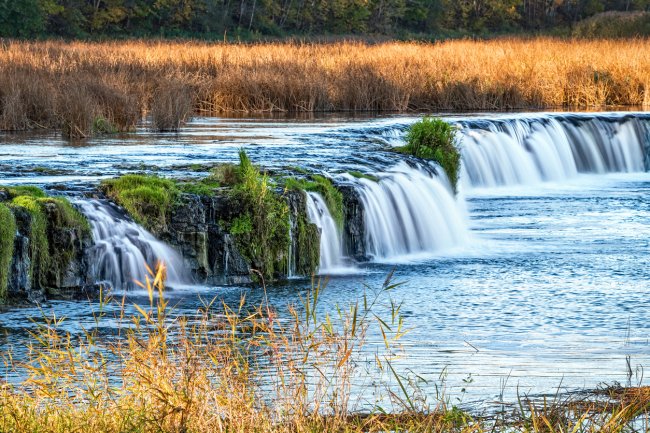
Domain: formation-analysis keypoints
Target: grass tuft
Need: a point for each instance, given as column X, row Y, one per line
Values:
column 433, row 138
column 148, row 199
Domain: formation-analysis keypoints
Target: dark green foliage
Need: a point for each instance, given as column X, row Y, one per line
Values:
column 148, row 199
column 235, row 20
column 261, row 223
column 322, row 185
column 7, row 235
column 28, row 190
column 433, row 138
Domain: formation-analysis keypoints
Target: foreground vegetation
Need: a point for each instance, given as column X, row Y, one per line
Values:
column 242, row 369
column 95, row 88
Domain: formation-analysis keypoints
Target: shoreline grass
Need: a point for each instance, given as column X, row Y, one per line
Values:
column 85, row 88
column 254, row 368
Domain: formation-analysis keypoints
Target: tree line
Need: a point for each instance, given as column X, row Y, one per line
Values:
column 250, row 18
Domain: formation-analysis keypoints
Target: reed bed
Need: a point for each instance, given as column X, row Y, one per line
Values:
column 248, row 368
column 83, row 88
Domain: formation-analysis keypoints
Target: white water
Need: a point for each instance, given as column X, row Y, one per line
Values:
column 331, row 242
column 410, row 211
column 123, row 249
column 528, row 151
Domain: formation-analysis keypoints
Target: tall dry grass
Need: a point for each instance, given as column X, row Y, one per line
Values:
column 248, row 368
column 69, row 85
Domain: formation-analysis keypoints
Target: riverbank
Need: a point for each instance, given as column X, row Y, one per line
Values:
column 237, row 368
column 85, row 89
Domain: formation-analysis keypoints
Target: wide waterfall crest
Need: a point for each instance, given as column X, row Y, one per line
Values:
column 331, row 240
column 122, row 248
column 550, row 148
column 409, row 212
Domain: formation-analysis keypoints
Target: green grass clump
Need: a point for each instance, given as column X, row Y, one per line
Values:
column 7, row 235
column 360, row 175
column 260, row 223
column 225, row 174
column 26, row 190
column 433, row 138
column 147, row 199
column 203, row 187
column 322, row 185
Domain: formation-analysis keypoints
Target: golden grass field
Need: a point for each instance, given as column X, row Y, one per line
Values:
column 85, row 88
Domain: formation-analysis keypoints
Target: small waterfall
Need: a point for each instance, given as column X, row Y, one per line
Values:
column 410, row 211
column 550, row 148
column 331, row 245
column 122, row 248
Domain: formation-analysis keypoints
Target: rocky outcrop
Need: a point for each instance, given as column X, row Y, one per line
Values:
column 196, row 230
column 49, row 245
column 353, row 228
column 209, row 252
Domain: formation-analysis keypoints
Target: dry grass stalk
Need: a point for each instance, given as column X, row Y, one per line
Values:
column 247, row 369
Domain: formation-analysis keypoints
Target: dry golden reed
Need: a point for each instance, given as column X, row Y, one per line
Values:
column 247, row 368
column 69, row 86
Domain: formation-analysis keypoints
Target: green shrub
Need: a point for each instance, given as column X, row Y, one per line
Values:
column 433, row 138
column 147, row 199
column 7, row 236
column 26, row 190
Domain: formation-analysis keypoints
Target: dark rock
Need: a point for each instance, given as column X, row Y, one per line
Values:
column 353, row 230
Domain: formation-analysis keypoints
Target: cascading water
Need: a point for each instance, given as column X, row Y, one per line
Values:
column 409, row 211
column 123, row 248
column 552, row 148
column 331, row 245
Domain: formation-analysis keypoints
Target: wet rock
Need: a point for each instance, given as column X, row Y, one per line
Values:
column 305, row 237
column 208, row 251
column 353, row 230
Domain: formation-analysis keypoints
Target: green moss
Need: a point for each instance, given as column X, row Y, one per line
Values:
column 322, row 185
column 27, row 190
column 147, row 199
column 7, row 235
column 38, row 242
column 433, row 138
column 260, row 224
column 204, row 187
column 360, row 175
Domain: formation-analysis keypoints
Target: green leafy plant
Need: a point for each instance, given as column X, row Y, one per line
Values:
column 7, row 235
column 434, row 139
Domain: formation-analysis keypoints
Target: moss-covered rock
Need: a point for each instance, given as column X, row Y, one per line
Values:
column 7, row 236
column 322, row 185
column 57, row 234
column 148, row 199
column 260, row 221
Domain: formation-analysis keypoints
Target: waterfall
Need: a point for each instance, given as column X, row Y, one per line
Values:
column 550, row 148
column 331, row 245
column 123, row 249
column 410, row 211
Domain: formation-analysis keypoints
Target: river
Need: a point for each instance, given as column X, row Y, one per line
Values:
column 536, row 276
